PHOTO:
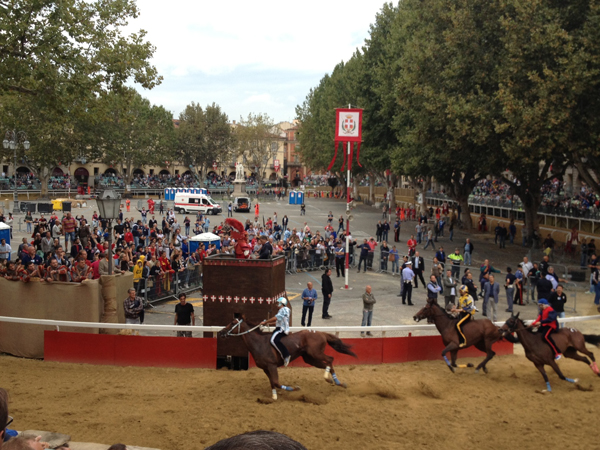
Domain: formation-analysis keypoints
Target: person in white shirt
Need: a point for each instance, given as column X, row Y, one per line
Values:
column 5, row 250
column 407, row 279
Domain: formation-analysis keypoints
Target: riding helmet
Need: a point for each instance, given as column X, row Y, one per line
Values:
column 282, row 300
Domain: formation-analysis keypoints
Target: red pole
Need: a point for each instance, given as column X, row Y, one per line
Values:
column 348, row 190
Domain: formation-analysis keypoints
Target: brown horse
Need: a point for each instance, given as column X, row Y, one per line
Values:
column 568, row 340
column 310, row 345
column 481, row 333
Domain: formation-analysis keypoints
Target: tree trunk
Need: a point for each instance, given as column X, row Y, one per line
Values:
column 466, row 221
column 424, row 189
column 371, row 193
column 392, row 191
column 531, row 203
column 44, row 175
column 355, row 183
column 129, row 173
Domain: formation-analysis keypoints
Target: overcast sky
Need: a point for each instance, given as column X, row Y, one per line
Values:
column 260, row 57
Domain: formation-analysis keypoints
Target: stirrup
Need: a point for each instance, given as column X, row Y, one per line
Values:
column 286, row 361
column 463, row 345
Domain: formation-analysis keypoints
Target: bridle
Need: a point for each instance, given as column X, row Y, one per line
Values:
column 238, row 326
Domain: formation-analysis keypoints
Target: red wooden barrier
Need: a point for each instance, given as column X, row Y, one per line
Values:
column 158, row 351
column 398, row 350
column 144, row 351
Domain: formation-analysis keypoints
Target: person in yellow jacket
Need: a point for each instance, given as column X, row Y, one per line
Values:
column 138, row 271
column 466, row 310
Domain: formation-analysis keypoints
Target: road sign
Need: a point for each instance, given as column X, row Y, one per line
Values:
column 276, row 165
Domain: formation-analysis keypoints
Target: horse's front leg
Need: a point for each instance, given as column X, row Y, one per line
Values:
column 451, row 347
column 273, row 375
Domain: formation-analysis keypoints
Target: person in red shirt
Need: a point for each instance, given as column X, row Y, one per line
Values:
column 165, row 266
column 412, row 245
column 129, row 237
column 548, row 325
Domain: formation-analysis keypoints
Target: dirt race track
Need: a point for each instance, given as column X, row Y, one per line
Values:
column 413, row 405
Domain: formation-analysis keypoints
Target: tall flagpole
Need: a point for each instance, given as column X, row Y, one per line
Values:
column 348, row 188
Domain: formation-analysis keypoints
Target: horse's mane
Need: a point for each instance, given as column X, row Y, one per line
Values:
column 444, row 311
column 525, row 327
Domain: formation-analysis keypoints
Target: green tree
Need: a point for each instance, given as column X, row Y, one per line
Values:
column 257, row 140
column 204, row 136
column 75, row 43
column 134, row 133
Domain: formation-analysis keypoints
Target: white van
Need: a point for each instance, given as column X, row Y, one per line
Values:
column 186, row 202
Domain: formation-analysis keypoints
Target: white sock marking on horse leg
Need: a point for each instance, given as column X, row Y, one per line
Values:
column 327, row 371
column 274, row 394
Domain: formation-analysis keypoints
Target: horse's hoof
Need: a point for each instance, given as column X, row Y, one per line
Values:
column 344, row 385
column 485, row 370
column 476, row 370
column 470, row 365
column 297, row 388
column 451, row 369
column 329, row 380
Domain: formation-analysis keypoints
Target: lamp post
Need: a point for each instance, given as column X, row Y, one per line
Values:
column 109, row 205
column 12, row 139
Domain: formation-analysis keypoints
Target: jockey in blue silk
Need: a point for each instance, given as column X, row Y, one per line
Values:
column 282, row 328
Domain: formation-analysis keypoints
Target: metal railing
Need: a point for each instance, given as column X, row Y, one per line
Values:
column 215, row 329
column 169, row 285
column 517, row 206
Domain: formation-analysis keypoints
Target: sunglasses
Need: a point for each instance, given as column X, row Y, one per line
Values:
column 10, row 420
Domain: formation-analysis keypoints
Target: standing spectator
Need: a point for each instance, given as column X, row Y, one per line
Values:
column 491, row 289
column 368, row 301
column 433, row 288
column 557, row 300
column 28, row 221
column 429, row 239
column 441, row 255
column 133, row 307
column 379, row 231
column 456, row 259
column 68, row 225
column 449, row 288
column 512, row 231
column 544, row 288
column 509, row 285
column 412, row 245
column 229, row 210
column 468, row 251
column 340, row 256
column 385, row 254
column 393, row 258
column 372, row 244
column 418, row 266
column 184, row 315
column 503, row 234
column 484, row 273
column 471, row 285
column 595, row 280
column 584, row 257
column 309, row 295
column 397, row 226
column 5, row 250
column 364, row 255
column 419, row 231
column 385, row 230
column 407, row 278
column 340, row 224
column 284, row 222
column 327, row 291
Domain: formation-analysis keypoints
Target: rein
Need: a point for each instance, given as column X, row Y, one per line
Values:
column 238, row 325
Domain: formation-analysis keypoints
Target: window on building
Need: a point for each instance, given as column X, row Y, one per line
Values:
column 96, row 170
column 151, row 171
column 177, row 172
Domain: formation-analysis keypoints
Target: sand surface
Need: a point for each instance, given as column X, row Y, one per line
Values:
column 412, row 405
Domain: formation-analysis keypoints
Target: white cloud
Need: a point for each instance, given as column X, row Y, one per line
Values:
column 244, row 42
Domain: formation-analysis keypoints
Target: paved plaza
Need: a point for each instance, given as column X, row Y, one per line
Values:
column 346, row 306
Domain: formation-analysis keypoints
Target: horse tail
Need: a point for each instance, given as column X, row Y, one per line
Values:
column 593, row 339
column 338, row 345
